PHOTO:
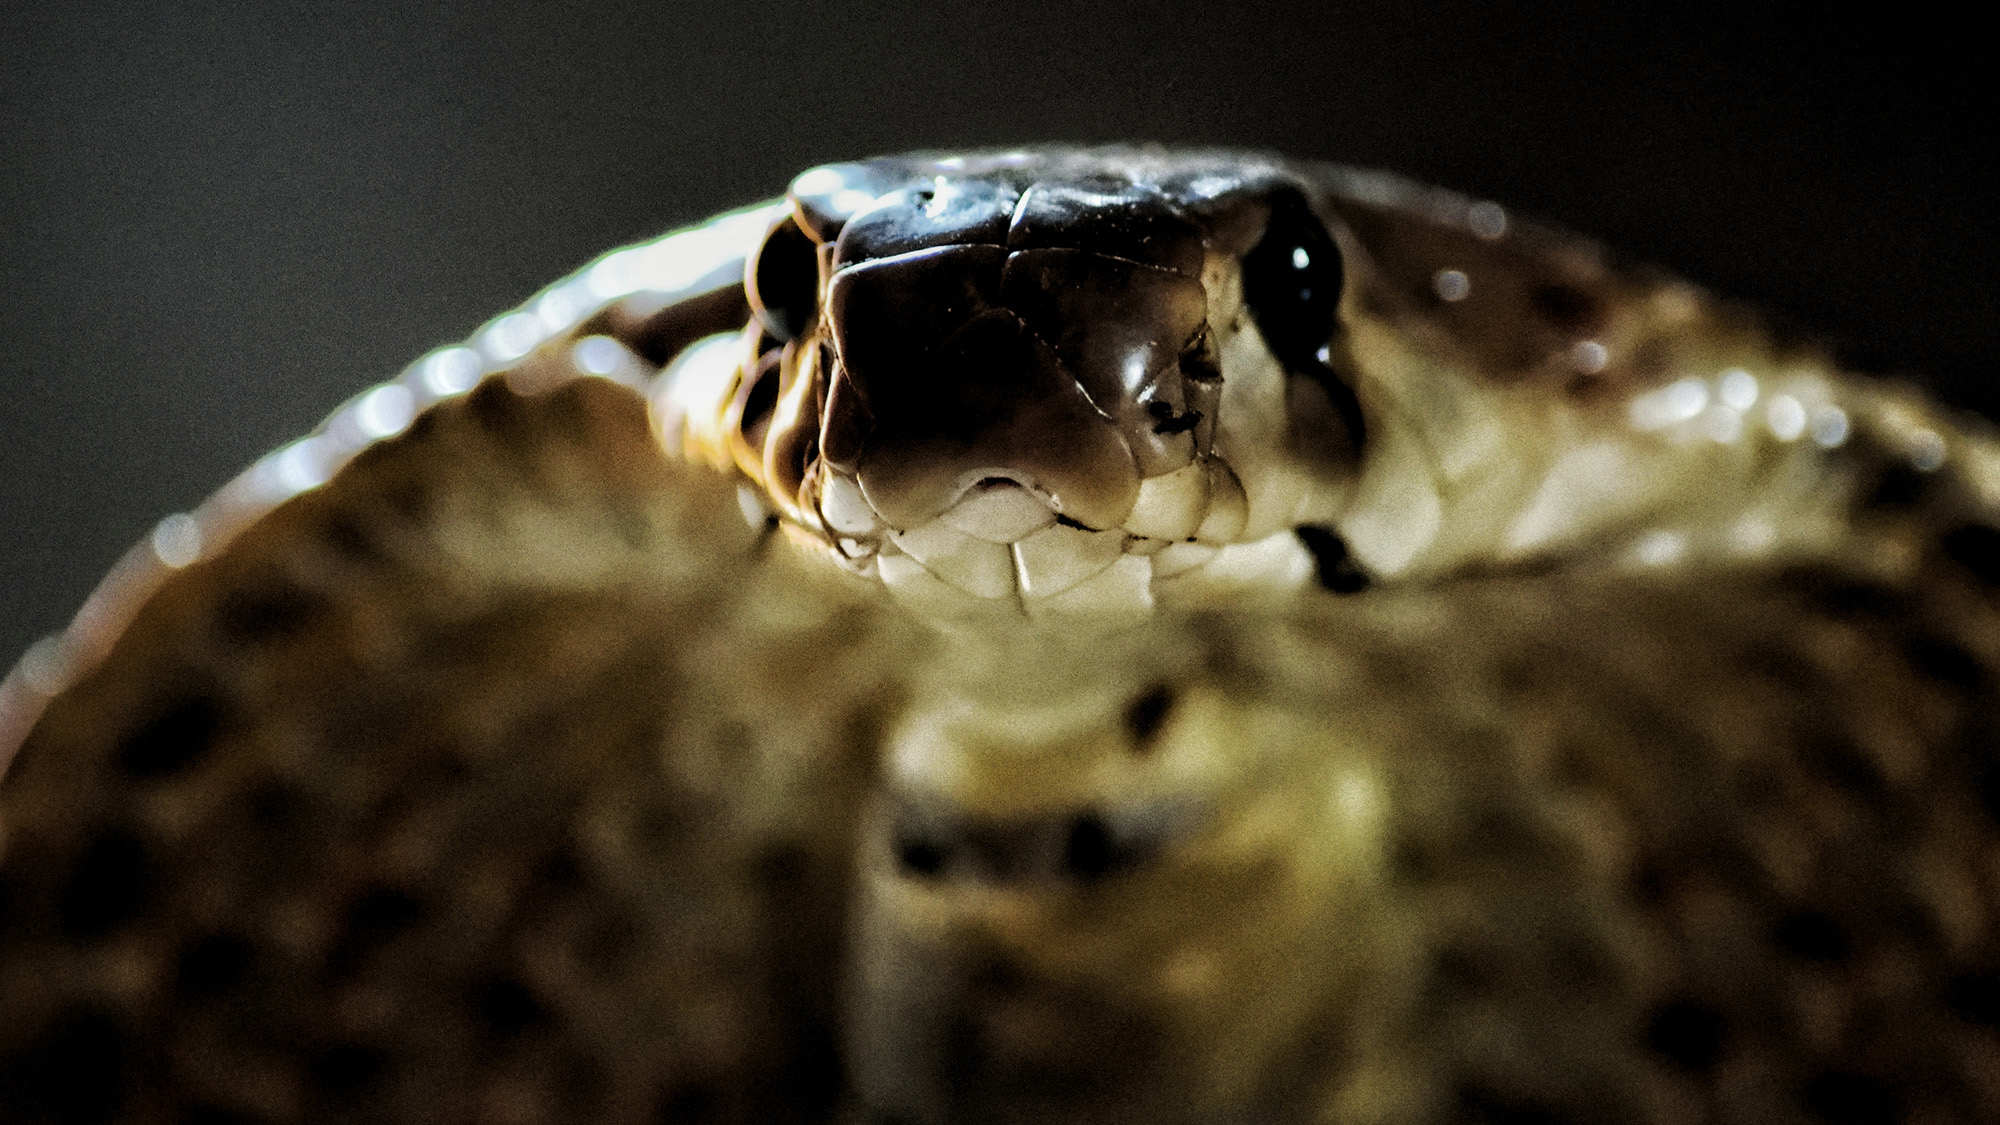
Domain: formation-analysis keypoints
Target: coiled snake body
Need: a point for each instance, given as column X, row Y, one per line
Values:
column 1075, row 635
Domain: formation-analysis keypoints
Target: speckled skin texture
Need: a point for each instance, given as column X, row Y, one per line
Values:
column 511, row 777
column 423, row 805
column 1716, row 848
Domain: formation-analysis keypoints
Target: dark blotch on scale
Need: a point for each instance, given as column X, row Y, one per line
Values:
column 922, row 845
column 1486, row 1103
column 1899, row 487
column 1169, row 422
column 1975, row 997
column 109, row 885
column 920, row 856
column 1812, row 935
column 1852, row 1098
column 1079, row 846
column 374, row 919
column 74, row 1073
column 172, row 739
column 202, row 1113
column 1567, row 308
column 694, row 1101
column 270, row 611
column 1688, row 1032
column 505, row 1007
column 1976, row 547
column 1089, row 853
column 1148, row 713
column 1339, row 571
column 344, row 1075
column 211, row 965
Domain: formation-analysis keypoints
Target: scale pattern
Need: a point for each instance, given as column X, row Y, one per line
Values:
column 511, row 776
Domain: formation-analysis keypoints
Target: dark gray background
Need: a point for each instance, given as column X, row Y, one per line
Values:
column 218, row 220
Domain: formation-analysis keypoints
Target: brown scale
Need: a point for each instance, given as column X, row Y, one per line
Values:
column 1534, row 292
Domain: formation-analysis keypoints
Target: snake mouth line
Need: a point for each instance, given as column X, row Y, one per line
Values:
column 1003, row 545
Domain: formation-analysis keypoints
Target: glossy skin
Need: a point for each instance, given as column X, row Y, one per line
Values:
column 1581, row 708
column 1001, row 375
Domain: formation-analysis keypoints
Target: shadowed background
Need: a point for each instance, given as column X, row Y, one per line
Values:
column 219, row 220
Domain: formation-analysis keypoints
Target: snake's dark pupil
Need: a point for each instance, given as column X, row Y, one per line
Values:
column 1291, row 282
column 784, row 286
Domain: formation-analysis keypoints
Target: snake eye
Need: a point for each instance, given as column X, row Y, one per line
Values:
column 1291, row 281
column 783, row 281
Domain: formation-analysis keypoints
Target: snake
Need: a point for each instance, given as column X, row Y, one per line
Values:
column 1091, row 634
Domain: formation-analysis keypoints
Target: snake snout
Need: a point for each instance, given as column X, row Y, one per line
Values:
column 1033, row 328
column 981, row 394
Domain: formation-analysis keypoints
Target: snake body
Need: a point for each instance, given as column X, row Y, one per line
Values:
column 1064, row 635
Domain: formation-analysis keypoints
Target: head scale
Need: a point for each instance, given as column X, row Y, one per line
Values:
column 1002, row 344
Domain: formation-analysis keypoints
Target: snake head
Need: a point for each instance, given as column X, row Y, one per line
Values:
column 1015, row 375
